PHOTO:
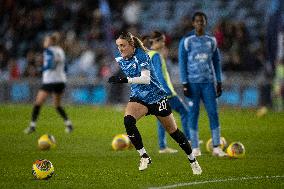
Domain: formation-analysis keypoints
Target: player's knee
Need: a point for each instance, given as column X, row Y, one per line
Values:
column 214, row 126
column 172, row 129
column 193, row 113
column 38, row 102
column 213, row 116
column 56, row 104
column 184, row 114
column 129, row 121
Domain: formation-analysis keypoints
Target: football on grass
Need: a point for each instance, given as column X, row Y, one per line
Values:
column 236, row 150
column 42, row 169
column 120, row 142
column 223, row 144
column 46, row 141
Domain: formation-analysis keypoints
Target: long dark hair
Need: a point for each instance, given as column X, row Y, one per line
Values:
column 156, row 34
column 137, row 43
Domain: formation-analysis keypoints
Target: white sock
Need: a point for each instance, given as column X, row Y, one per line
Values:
column 68, row 122
column 191, row 157
column 142, row 151
column 33, row 124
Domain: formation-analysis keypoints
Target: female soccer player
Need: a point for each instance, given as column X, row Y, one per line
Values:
column 147, row 97
column 53, row 79
column 200, row 69
column 157, row 41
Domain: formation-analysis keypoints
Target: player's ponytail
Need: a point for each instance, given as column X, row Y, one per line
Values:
column 138, row 43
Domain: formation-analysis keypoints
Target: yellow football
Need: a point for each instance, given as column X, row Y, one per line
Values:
column 223, row 144
column 46, row 141
column 236, row 150
column 42, row 169
column 120, row 142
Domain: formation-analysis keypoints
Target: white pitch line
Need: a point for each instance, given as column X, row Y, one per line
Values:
column 217, row 180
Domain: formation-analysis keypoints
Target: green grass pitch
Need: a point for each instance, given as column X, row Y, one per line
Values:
column 84, row 159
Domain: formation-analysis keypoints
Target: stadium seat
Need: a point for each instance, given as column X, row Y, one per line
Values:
column 230, row 97
column 99, row 95
column 20, row 92
column 250, row 97
column 80, row 95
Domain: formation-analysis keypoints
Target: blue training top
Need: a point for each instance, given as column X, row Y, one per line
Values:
column 199, row 59
column 132, row 67
column 160, row 67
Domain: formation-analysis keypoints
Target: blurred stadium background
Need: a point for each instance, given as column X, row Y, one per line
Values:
column 246, row 32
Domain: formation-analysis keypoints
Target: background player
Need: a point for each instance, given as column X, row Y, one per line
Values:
column 53, row 79
column 200, row 72
column 157, row 55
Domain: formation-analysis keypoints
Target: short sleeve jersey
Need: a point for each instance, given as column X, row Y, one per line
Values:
column 53, row 65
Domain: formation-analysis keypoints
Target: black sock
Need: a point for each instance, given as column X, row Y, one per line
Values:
column 35, row 112
column 132, row 132
column 62, row 113
column 180, row 138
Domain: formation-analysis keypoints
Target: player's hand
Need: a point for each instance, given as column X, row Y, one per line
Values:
column 219, row 89
column 117, row 79
column 186, row 90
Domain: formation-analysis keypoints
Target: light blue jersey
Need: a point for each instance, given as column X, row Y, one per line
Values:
column 199, row 59
column 132, row 67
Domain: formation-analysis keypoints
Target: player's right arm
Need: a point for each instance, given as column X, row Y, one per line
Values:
column 182, row 58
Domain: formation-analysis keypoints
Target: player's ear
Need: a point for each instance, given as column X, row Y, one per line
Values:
column 131, row 43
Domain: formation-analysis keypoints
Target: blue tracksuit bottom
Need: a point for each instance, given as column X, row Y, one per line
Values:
column 205, row 92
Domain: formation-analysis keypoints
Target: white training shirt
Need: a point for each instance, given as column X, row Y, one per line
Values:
column 280, row 46
column 53, row 65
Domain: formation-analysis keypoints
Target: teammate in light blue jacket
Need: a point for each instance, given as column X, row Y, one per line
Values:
column 157, row 41
column 200, row 70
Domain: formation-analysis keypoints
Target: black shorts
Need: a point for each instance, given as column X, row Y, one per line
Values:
column 161, row 108
column 57, row 88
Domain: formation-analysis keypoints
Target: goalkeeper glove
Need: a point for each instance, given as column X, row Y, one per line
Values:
column 219, row 89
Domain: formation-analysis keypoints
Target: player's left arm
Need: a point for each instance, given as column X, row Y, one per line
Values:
column 145, row 76
column 216, row 61
column 217, row 68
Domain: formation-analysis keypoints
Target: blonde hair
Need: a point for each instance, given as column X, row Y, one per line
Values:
column 55, row 38
column 132, row 40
